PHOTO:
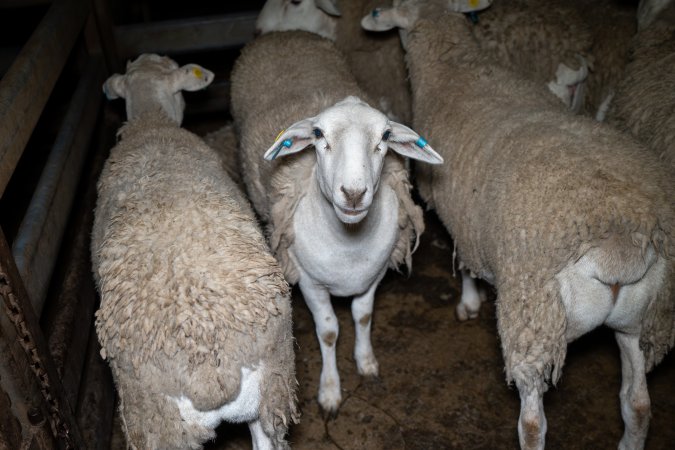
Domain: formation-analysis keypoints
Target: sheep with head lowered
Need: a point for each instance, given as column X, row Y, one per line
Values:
column 195, row 316
column 570, row 220
column 335, row 199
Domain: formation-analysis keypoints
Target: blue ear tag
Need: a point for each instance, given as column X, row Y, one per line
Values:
column 375, row 12
column 286, row 143
column 473, row 16
column 421, row 142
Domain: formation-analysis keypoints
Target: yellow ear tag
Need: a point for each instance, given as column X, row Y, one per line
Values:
column 474, row 3
column 197, row 72
column 279, row 135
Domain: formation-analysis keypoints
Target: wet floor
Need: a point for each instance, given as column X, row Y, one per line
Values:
column 441, row 383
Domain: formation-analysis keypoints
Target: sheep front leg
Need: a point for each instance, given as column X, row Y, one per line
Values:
column 326, row 325
column 259, row 439
column 469, row 304
column 635, row 403
column 362, row 312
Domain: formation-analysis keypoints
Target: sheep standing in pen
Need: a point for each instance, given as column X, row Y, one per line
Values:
column 376, row 61
column 195, row 316
column 570, row 220
column 644, row 103
column 336, row 203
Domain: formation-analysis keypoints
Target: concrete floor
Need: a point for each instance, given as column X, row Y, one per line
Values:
column 441, row 382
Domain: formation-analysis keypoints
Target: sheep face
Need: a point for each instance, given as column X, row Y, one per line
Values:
column 153, row 83
column 351, row 140
column 315, row 16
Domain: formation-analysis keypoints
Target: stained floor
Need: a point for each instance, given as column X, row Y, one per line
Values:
column 441, row 383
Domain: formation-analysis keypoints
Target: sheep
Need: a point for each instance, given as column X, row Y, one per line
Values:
column 569, row 219
column 338, row 216
column 375, row 60
column 644, row 103
column 195, row 316
column 578, row 47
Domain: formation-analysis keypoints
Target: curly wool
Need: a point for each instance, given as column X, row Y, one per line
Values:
column 179, row 311
column 276, row 187
column 376, row 60
column 644, row 104
column 526, row 188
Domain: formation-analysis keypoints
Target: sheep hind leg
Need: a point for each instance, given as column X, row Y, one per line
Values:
column 259, row 439
column 532, row 421
column 635, row 403
column 469, row 304
column 362, row 312
column 327, row 330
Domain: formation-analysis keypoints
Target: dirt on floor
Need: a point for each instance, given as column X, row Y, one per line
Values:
column 442, row 384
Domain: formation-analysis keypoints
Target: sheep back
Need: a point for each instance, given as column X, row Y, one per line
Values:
column 275, row 188
column 548, row 185
column 189, row 290
column 376, row 59
column 644, row 103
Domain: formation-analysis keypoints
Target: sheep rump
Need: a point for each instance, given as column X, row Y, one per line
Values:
column 169, row 234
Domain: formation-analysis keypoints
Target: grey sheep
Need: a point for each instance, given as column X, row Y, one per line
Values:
column 195, row 315
column 644, row 103
column 570, row 220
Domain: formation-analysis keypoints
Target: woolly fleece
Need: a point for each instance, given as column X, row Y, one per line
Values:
column 644, row 103
column 526, row 188
column 189, row 290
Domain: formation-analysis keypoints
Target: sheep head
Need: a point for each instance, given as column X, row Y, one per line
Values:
column 154, row 83
column 351, row 140
column 405, row 13
column 315, row 16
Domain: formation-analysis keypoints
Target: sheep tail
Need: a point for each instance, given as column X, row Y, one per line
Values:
column 658, row 326
column 531, row 321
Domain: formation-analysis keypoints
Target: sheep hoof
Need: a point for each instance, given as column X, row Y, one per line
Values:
column 368, row 367
column 329, row 400
column 464, row 313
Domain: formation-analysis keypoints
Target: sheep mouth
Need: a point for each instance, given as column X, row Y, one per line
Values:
column 347, row 215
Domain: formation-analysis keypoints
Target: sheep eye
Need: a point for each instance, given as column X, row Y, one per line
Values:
column 296, row 2
column 317, row 133
column 386, row 135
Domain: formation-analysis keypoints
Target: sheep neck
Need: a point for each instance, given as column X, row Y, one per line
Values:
column 346, row 259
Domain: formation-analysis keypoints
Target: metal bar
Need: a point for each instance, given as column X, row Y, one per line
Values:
column 187, row 35
column 22, row 3
column 104, row 25
column 19, row 319
column 70, row 312
column 26, row 86
column 97, row 400
column 37, row 243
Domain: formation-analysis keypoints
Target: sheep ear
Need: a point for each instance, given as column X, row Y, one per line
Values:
column 406, row 142
column 328, row 6
column 467, row 6
column 190, row 77
column 384, row 19
column 114, row 87
column 295, row 138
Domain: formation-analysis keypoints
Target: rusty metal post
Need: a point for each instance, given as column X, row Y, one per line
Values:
column 30, row 360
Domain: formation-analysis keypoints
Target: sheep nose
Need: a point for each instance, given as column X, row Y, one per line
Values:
column 353, row 196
